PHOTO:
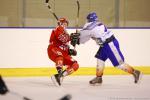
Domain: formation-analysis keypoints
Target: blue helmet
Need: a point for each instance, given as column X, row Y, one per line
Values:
column 92, row 17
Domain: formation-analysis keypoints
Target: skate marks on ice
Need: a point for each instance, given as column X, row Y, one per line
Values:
column 113, row 88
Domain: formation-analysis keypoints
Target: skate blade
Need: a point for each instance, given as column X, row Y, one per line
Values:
column 96, row 84
column 54, row 81
column 140, row 78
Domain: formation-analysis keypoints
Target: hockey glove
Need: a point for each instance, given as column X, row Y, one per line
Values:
column 72, row 52
column 74, row 38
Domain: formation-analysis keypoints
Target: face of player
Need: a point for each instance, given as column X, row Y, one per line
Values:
column 65, row 25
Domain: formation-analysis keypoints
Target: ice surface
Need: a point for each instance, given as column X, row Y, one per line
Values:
column 114, row 87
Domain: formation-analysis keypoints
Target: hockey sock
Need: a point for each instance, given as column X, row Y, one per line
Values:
column 65, row 73
column 100, row 67
column 127, row 68
column 59, row 69
column 59, row 64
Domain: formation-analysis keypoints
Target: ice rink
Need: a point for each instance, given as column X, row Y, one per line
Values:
column 114, row 87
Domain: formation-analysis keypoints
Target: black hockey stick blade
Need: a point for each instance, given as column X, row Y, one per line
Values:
column 3, row 87
column 46, row 1
column 26, row 98
column 66, row 97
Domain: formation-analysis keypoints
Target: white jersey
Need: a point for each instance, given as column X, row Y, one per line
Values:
column 95, row 30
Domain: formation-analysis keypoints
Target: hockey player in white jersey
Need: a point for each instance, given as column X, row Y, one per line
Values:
column 108, row 47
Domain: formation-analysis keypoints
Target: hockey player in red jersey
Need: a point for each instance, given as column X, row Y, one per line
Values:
column 60, row 53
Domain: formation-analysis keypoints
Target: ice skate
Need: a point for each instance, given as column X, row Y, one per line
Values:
column 96, row 80
column 137, row 76
column 56, row 79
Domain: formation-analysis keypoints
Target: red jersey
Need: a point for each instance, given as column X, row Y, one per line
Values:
column 60, row 38
column 59, row 46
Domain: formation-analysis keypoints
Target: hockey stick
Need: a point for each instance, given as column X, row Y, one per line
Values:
column 19, row 95
column 66, row 97
column 4, row 90
column 50, row 9
column 77, row 19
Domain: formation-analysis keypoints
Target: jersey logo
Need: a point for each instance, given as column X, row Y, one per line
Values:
column 58, row 53
column 63, row 38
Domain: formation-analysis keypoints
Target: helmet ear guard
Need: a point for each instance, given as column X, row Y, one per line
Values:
column 91, row 17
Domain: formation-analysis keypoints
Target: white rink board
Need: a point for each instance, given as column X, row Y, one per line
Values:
column 27, row 47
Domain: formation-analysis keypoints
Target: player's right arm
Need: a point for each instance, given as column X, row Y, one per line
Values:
column 83, row 36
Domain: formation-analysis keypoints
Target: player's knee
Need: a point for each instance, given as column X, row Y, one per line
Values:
column 59, row 61
column 121, row 66
column 75, row 66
